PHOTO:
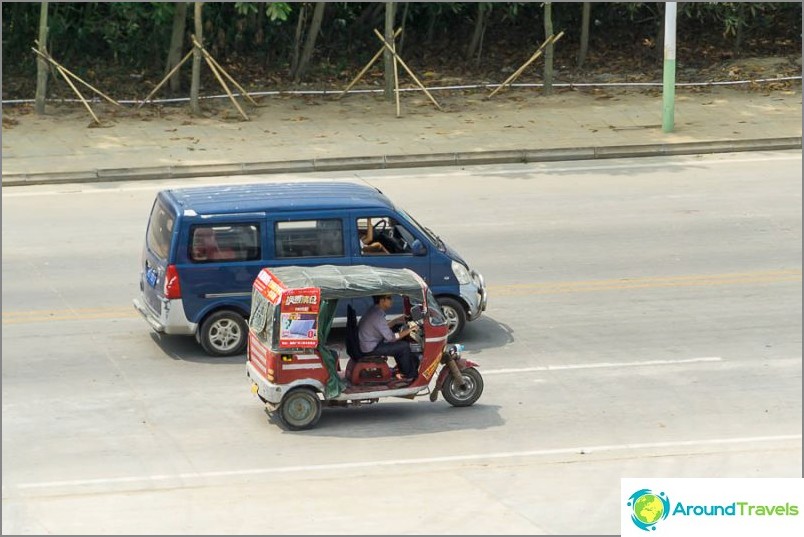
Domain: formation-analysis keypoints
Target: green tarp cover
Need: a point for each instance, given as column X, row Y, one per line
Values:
column 351, row 281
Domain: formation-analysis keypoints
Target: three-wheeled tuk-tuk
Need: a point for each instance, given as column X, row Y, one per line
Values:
column 295, row 373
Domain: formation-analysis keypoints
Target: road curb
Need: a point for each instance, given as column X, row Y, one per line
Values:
column 403, row 161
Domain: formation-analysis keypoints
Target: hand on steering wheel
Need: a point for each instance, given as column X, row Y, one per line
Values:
column 380, row 225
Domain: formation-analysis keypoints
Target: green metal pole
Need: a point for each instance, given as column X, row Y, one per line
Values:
column 669, row 79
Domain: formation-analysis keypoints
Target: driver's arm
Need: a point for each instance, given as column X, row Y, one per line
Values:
column 369, row 232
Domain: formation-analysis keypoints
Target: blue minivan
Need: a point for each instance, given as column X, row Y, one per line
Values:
column 204, row 247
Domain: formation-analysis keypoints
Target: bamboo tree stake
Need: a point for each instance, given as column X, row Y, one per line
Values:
column 61, row 70
column 225, row 87
column 209, row 57
column 550, row 40
column 366, row 68
column 385, row 43
column 164, row 80
column 396, row 82
column 60, row 67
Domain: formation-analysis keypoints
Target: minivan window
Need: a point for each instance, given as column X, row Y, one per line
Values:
column 160, row 228
column 238, row 242
column 383, row 235
column 309, row 238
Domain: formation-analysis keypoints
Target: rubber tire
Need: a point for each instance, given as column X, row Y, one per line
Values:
column 300, row 409
column 455, row 314
column 455, row 396
column 228, row 320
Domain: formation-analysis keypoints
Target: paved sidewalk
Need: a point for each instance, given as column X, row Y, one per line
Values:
column 361, row 131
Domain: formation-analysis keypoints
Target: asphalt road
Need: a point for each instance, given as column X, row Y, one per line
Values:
column 644, row 320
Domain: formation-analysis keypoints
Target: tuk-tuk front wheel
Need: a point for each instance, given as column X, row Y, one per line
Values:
column 300, row 409
column 224, row 333
column 466, row 392
column 456, row 316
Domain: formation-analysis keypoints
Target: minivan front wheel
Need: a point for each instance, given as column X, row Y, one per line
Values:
column 224, row 333
column 456, row 316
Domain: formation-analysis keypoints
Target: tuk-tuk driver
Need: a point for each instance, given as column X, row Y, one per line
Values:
column 376, row 337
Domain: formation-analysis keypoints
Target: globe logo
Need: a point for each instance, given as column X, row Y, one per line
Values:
column 648, row 508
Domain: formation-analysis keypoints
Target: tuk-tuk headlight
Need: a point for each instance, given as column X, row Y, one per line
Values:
column 461, row 273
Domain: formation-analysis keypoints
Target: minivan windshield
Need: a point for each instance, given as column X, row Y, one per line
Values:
column 423, row 230
column 160, row 228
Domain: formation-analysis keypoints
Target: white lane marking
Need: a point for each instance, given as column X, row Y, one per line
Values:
column 600, row 365
column 585, row 450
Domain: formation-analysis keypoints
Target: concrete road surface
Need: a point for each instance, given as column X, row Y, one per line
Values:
column 644, row 320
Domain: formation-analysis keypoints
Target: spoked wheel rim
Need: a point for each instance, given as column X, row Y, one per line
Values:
column 225, row 335
column 452, row 318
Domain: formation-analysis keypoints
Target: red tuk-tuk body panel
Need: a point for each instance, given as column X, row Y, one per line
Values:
column 285, row 367
column 292, row 367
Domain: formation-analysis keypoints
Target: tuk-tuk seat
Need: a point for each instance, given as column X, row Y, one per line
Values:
column 353, row 340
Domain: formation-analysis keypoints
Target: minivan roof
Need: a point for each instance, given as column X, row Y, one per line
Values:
column 276, row 197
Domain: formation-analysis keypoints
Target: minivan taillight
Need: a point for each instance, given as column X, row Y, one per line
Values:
column 172, row 286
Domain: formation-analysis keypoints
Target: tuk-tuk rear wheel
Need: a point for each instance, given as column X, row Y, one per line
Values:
column 463, row 394
column 300, row 409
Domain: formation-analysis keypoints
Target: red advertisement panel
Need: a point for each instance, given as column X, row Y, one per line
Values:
column 268, row 286
column 299, row 317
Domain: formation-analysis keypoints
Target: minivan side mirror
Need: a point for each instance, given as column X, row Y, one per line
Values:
column 417, row 248
column 416, row 313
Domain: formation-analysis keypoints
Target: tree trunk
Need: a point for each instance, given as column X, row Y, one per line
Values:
column 402, row 25
column 195, row 87
column 390, row 13
column 309, row 43
column 548, row 50
column 477, row 35
column 739, row 31
column 297, row 40
column 41, row 64
column 176, row 42
column 585, row 16
column 659, row 50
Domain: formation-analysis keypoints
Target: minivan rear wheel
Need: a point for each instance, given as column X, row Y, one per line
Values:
column 224, row 333
column 456, row 316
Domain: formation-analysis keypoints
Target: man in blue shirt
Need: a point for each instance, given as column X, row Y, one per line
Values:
column 376, row 337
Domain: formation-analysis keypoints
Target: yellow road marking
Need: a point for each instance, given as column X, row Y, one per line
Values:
column 740, row 278
column 697, row 280
column 79, row 314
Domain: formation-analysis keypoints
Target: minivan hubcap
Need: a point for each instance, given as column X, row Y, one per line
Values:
column 224, row 334
column 452, row 318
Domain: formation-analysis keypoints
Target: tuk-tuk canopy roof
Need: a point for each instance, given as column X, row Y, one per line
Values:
column 351, row 281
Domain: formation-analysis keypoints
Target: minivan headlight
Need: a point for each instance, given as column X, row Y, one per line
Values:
column 461, row 273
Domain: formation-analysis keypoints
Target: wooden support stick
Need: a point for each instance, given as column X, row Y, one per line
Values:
column 64, row 70
column 225, row 87
column 385, row 43
column 550, row 40
column 209, row 57
column 164, row 80
column 61, row 70
column 396, row 83
column 366, row 68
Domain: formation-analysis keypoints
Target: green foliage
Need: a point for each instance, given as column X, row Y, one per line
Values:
column 135, row 35
column 278, row 11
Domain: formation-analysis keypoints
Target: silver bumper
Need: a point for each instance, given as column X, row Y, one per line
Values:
column 273, row 393
column 475, row 295
column 171, row 320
